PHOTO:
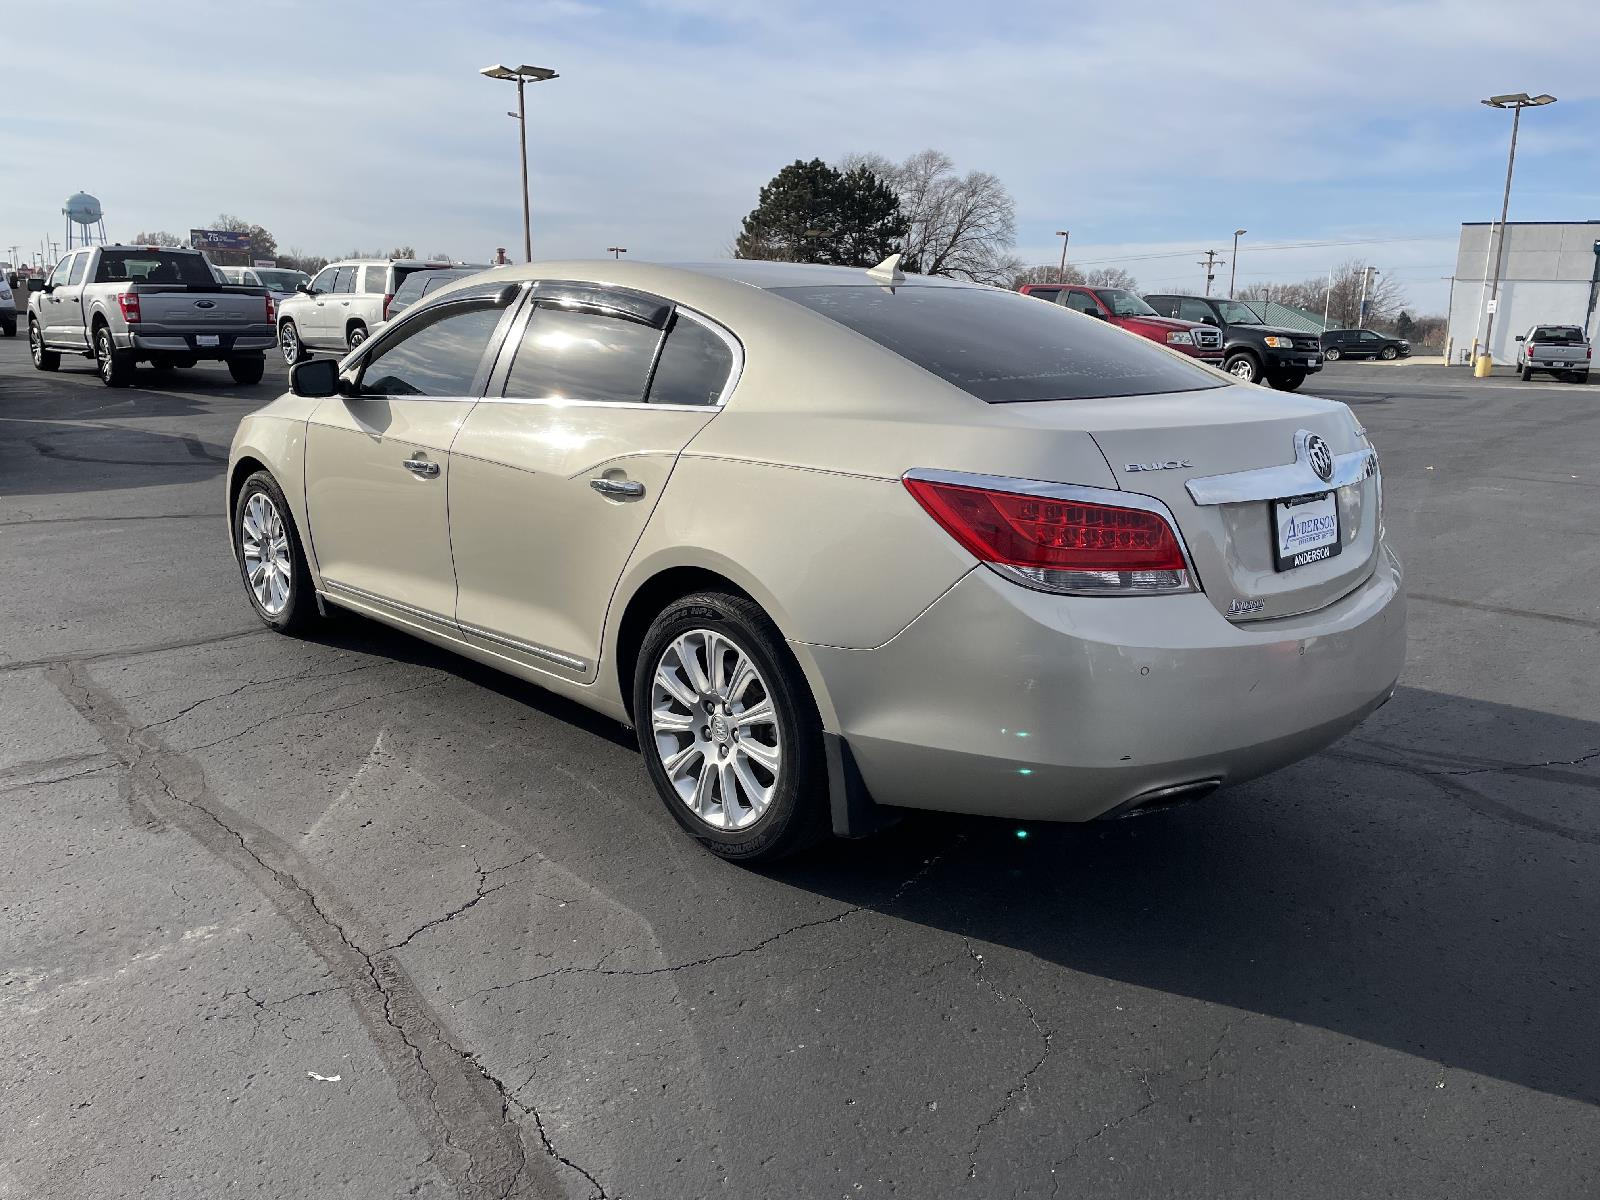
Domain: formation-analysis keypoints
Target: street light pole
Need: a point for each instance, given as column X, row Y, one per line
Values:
column 1061, row 273
column 617, row 251
column 522, row 76
column 1361, row 309
column 1516, row 102
column 1233, row 268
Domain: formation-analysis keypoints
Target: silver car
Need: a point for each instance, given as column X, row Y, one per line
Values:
column 282, row 282
column 343, row 304
column 836, row 541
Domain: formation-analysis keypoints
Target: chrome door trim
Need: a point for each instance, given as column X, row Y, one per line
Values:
column 570, row 661
column 1281, row 482
column 411, row 610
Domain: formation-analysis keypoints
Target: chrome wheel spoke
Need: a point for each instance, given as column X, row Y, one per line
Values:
column 759, row 713
column 667, row 721
column 760, row 753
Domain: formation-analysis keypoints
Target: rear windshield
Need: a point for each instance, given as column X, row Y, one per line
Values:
column 153, row 266
column 1568, row 335
column 280, row 279
column 1003, row 347
column 400, row 273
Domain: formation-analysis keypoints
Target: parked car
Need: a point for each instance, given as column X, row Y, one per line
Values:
column 342, row 305
column 1362, row 343
column 121, row 305
column 1559, row 350
column 1123, row 309
column 837, row 541
column 282, row 282
column 8, row 308
column 422, row 283
column 1251, row 350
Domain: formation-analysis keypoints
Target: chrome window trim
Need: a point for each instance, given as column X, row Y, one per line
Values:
column 1114, row 497
column 1281, row 482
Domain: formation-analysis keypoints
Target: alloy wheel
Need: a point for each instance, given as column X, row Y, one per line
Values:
column 35, row 343
column 289, row 343
column 1242, row 368
column 714, row 726
column 264, row 542
column 102, row 353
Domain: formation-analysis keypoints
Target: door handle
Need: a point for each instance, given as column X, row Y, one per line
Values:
column 620, row 488
column 422, row 467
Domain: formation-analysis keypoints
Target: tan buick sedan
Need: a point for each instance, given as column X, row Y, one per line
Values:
column 836, row 541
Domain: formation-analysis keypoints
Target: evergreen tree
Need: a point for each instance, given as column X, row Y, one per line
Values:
column 811, row 212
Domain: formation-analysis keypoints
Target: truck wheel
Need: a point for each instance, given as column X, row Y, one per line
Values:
column 1527, row 374
column 43, row 360
column 1333, row 354
column 356, row 334
column 1287, row 381
column 116, row 366
column 9, row 328
column 294, row 350
column 247, row 369
column 1243, row 365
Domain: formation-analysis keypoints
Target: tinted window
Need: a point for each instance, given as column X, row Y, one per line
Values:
column 153, row 266
column 80, row 263
column 569, row 354
column 1368, row 336
column 1196, row 310
column 1000, row 347
column 439, row 359
column 1081, row 302
column 694, row 366
column 345, row 280
column 324, row 280
column 1566, row 334
column 1165, row 306
column 375, row 280
column 1050, row 295
column 1123, row 303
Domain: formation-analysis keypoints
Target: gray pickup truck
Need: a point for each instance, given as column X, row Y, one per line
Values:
column 1559, row 350
column 121, row 305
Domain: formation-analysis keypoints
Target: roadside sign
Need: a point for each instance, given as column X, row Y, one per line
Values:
column 263, row 262
column 219, row 239
column 1493, row 304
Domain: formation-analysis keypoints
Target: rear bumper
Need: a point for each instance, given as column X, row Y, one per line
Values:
column 1007, row 702
column 249, row 340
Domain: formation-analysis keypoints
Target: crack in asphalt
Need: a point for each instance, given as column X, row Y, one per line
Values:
column 458, row 1105
column 483, row 878
column 92, row 656
column 295, row 677
column 1022, row 1084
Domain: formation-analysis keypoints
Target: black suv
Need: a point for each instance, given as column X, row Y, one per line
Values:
column 1250, row 350
column 1362, row 343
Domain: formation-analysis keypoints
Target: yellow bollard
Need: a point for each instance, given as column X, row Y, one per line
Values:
column 1484, row 367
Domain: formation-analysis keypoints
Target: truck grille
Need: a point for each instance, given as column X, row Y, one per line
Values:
column 1307, row 343
column 1207, row 338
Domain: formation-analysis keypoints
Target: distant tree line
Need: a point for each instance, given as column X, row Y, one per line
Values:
column 264, row 246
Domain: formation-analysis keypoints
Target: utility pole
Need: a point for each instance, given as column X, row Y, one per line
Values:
column 1233, row 271
column 1211, row 264
column 1516, row 103
column 1061, row 273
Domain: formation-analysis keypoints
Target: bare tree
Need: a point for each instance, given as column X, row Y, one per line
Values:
column 1044, row 273
column 160, row 238
column 1340, row 293
column 958, row 225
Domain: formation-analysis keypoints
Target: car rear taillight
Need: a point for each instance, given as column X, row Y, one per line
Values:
column 1058, row 538
column 272, row 311
column 386, row 301
column 128, row 302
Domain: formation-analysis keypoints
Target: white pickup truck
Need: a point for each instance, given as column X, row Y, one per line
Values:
column 1559, row 350
column 121, row 305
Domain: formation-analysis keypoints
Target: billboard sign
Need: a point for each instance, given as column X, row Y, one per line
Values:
column 219, row 239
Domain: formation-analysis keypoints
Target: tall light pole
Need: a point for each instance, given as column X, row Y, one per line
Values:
column 522, row 76
column 1233, row 269
column 616, row 251
column 1061, row 272
column 1361, row 309
column 1516, row 102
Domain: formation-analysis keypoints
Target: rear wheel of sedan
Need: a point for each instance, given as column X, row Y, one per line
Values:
column 271, row 560
column 729, row 730
column 1333, row 354
column 115, row 366
column 43, row 360
column 247, row 369
column 1243, row 365
column 294, row 350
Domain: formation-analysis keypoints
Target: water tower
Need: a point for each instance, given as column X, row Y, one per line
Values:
column 83, row 215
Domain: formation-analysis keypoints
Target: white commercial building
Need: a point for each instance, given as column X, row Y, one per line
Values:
column 1549, row 273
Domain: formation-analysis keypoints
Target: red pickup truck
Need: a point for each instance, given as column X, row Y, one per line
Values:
column 1124, row 309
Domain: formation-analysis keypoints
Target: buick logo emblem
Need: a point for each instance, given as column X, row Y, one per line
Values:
column 1319, row 457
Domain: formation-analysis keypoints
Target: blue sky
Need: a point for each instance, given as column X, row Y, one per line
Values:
column 1148, row 130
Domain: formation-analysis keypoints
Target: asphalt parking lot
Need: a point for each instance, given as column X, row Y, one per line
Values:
column 348, row 916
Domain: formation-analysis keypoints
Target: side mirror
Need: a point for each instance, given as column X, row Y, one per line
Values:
column 1521, row 338
column 315, row 377
column 304, row 288
column 35, row 284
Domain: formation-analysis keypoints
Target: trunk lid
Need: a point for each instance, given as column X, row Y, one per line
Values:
column 1255, row 441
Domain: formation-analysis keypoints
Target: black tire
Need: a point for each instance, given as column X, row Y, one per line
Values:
column 1527, row 374
column 1244, row 366
column 43, row 360
column 1577, row 377
column 1287, row 381
column 1333, row 354
column 247, row 369
column 9, row 328
column 300, row 608
column 115, row 366
column 290, row 345
column 1388, row 354
column 796, row 816
column 355, row 335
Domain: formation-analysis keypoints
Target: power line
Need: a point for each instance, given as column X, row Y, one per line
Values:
column 1095, row 262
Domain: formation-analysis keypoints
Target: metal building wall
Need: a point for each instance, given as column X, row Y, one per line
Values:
column 1546, row 275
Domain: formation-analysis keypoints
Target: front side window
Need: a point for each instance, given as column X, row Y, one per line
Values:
column 1081, row 302
column 1235, row 313
column 1196, row 310
column 694, row 365
column 345, row 280
column 1124, row 304
column 1001, row 348
column 324, row 280
column 376, row 278
column 572, row 354
column 1368, row 336
column 441, row 358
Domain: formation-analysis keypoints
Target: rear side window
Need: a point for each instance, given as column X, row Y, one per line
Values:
column 152, row 266
column 375, row 279
column 440, row 358
column 345, row 280
column 1002, row 347
column 570, row 354
column 694, row 366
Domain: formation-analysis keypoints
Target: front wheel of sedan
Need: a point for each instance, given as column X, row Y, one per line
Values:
column 271, row 560
column 729, row 730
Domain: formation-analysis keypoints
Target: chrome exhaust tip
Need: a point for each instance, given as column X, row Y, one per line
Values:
column 1163, row 798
